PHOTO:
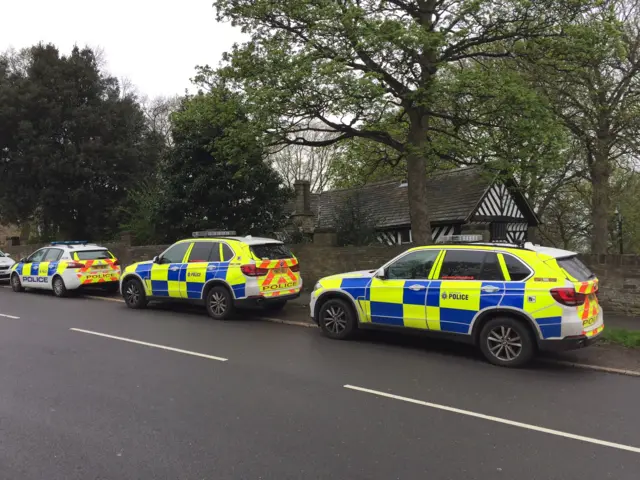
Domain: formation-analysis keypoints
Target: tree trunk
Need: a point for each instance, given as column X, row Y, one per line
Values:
column 600, row 176
column 417, row 179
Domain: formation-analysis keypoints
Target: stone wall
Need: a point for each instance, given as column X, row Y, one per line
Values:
column 619, row 275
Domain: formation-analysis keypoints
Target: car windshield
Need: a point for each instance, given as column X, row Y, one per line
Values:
column 574, row 267
column 94, row 255
column 271, row 251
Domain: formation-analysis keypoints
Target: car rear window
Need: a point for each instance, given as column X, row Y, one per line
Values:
column 94, row 255
column 271, row 251
column 576, row 268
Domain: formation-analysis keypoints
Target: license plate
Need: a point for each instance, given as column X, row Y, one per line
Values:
column 98, row 267
column 280, row 271
column 589, row 321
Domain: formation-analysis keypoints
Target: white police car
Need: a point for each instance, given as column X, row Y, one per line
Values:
column 64, row 266
column 5, row 266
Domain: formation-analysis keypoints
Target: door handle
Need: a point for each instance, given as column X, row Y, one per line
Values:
column 173, row 269
column 417, row 287
column 490, row 289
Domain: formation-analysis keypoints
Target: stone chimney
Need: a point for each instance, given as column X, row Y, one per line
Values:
column 303, row 197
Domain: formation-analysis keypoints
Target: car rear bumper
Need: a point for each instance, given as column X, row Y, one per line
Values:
column 257, row 301
column 568, row 343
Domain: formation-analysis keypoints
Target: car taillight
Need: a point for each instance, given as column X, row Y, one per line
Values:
column 295, row 268
column 116, row 263
column 251, row 270
column 74, row 264
column 568, row 296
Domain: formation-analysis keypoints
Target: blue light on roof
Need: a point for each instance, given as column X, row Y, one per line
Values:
column 71, row 242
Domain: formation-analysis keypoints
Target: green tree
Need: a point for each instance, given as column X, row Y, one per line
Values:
column 350, row 64
column 216, row 175
column 591, row 76
column 70, row 145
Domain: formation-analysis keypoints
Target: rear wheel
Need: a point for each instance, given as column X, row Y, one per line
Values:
column 59, row 288
column 133, row 294
column 507, row 342
column 337, row 319
column 15, row 283
column 219, row 303
column 275, row 306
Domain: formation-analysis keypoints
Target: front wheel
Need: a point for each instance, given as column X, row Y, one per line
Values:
column 507, row 342
column 133, row 294
column 219, row 303
column 337, row 319
column 15, row 283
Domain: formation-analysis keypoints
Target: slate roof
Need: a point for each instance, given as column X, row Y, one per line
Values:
column 452, row 196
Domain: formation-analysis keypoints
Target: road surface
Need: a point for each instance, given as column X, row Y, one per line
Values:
column 93, row 390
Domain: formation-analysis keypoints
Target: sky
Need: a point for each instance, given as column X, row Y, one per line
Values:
column 154, row 43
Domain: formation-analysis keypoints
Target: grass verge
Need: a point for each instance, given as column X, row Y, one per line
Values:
column 619, row 336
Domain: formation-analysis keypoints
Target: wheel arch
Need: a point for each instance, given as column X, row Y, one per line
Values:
column 331, row 294
column 127, row 276
column 489, row 314
column 214, row 282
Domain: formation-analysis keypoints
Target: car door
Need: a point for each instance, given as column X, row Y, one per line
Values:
column 400, row 297
column 468, row 281
column 31, row 269
column 165, row 273
column 203, row 260
column 49, row 265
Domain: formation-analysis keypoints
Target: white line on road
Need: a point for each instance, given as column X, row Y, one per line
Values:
column 9, row 316
column 498, row 419
column 153, row 345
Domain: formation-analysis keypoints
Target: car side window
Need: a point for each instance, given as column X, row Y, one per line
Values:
column 470, row 265
column 227, row 253
column 53, row 255
column 175, row 254
column 413, row 266
column 214, row 256
column 37, row 256
column 201, row 251
column 518, row 271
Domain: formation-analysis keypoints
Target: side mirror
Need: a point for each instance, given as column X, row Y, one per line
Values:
column 22, row 260
column 156, row 259
column 381, row 274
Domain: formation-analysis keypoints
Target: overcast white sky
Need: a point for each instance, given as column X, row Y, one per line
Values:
column 154, row 43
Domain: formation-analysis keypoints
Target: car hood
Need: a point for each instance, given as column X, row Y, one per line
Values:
column 132, row 267
column 358, row 274
column 6, row 261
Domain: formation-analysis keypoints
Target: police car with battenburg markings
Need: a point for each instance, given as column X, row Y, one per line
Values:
column 509, row 300
column 219, row 269
column 67, row 266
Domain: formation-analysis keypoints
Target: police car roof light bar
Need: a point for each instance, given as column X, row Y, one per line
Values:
column 213, row 233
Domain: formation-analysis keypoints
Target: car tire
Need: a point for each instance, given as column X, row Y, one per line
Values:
column 507, row 342
column 219, row 303
column 337, row 319
column 59, row 288
column 275, row 306
column 15, row 283
column 133, row 294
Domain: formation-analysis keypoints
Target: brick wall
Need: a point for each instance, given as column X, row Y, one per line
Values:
column 619, row 275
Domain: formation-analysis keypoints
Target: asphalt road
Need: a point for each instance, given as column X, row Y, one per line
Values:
column 248, row 399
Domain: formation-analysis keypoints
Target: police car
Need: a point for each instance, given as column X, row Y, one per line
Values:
column 509, row 300
column 65, row 266
column 218, row 269
column 5, row 266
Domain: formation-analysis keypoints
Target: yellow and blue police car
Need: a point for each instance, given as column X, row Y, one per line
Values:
column 65, row 266
column 509, row 300
column 218, row 269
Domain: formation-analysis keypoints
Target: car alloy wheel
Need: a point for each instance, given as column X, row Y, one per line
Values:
column 15, row 283
column 132, row 293
column 218, row 304
column 58, row 286
column 335, row 319
column 504, row 343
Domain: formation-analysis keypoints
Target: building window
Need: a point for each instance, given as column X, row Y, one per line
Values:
column 404, row 236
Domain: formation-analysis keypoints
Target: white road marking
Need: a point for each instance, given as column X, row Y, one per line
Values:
column 153, row 345
column 288, row 322
column 527, row 426
column 9, row 316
